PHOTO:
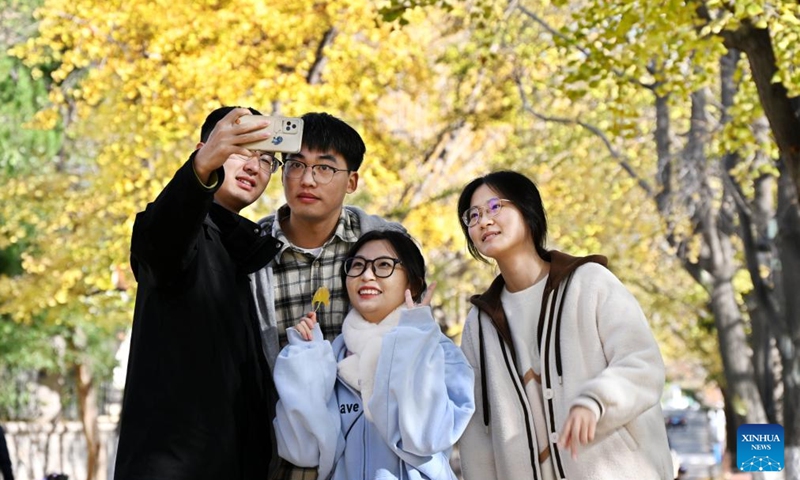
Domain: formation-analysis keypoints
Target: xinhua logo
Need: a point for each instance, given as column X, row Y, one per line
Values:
column 759, row 448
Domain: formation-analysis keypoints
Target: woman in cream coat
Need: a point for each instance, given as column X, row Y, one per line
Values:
column 568, row 374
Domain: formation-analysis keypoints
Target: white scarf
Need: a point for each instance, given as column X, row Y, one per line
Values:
column 363, row 340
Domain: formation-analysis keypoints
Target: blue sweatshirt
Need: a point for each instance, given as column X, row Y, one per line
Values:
column 421, row 404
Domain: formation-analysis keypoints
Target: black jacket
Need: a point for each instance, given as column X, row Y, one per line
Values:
column 198, row 391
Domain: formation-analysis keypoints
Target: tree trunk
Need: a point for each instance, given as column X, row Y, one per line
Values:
column 736, row 354
column 743, row 396
column 716, row 225
column 714, row 219
column 759, row 252
column 87, row 407
column 756, row 43
column 775, row 308
column 715, row 269
column 789, row 345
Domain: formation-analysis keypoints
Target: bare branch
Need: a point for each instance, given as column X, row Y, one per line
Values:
column 315, row 72
column 552, row 31
column 619, row 157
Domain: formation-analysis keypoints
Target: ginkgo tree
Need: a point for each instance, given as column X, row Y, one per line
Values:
column 701, row 79
column 715, row 70
column 24, row 349
column 130, row 84
column 624, row 37
column 437, row 101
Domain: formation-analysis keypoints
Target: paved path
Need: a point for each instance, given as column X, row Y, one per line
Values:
column 693, row 443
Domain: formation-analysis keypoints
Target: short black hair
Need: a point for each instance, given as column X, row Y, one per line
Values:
column 523, row 193
column 214, row 117
column 407, row 251
column 323, row 132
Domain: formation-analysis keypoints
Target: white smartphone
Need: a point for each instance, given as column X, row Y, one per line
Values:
column 287, row 134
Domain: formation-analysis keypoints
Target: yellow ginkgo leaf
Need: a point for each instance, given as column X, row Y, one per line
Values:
column 321, row 297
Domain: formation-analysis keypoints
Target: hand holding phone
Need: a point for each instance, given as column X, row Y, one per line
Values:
column 286, row 133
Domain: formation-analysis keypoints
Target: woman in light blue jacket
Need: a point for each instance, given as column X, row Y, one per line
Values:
column 392, row 394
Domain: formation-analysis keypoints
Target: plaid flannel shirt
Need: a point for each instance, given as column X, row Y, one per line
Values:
column 299, row 274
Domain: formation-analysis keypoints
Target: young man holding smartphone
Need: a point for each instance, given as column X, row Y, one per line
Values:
column 198, row 391
column 316, row 230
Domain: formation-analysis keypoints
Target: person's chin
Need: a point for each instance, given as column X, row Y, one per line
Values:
column 312, row 209
column 372, row 315
column 490, row 251
column 247, row 199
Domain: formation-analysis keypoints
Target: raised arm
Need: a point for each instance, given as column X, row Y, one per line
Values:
column 423, row 394
column 165, row 233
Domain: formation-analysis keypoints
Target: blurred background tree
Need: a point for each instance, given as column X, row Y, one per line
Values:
column 27, row 347
column 715, row 86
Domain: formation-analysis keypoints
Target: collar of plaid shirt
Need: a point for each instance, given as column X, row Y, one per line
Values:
column 346, row 230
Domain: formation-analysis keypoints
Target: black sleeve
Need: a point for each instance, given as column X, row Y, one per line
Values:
column 165, row 233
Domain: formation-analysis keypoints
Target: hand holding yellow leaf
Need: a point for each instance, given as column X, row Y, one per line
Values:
column 321, row 296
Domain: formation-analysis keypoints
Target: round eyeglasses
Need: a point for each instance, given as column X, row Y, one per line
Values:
column 492, row 208
column 321, row 172
column 266, row 161
column 382, row 267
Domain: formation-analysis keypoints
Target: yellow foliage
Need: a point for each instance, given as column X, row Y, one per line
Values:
column 438, row 102
column 132, row 84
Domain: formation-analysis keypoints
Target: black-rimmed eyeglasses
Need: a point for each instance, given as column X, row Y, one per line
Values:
column 382, row 267
column 266, row 161
column 321, row 172
column 492, row 208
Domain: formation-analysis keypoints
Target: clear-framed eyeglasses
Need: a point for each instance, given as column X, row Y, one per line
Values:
column 321, row 172
column 382, row 267
column 491, row 209
column 267, row 162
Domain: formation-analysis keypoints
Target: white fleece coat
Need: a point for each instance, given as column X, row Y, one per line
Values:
column 610, row 364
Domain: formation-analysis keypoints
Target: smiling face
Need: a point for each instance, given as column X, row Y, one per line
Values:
column 502, row 235
column 375, row 298
column 244, row 182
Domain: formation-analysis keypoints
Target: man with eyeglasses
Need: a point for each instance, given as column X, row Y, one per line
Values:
column 316, row 230
column 198, row 395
